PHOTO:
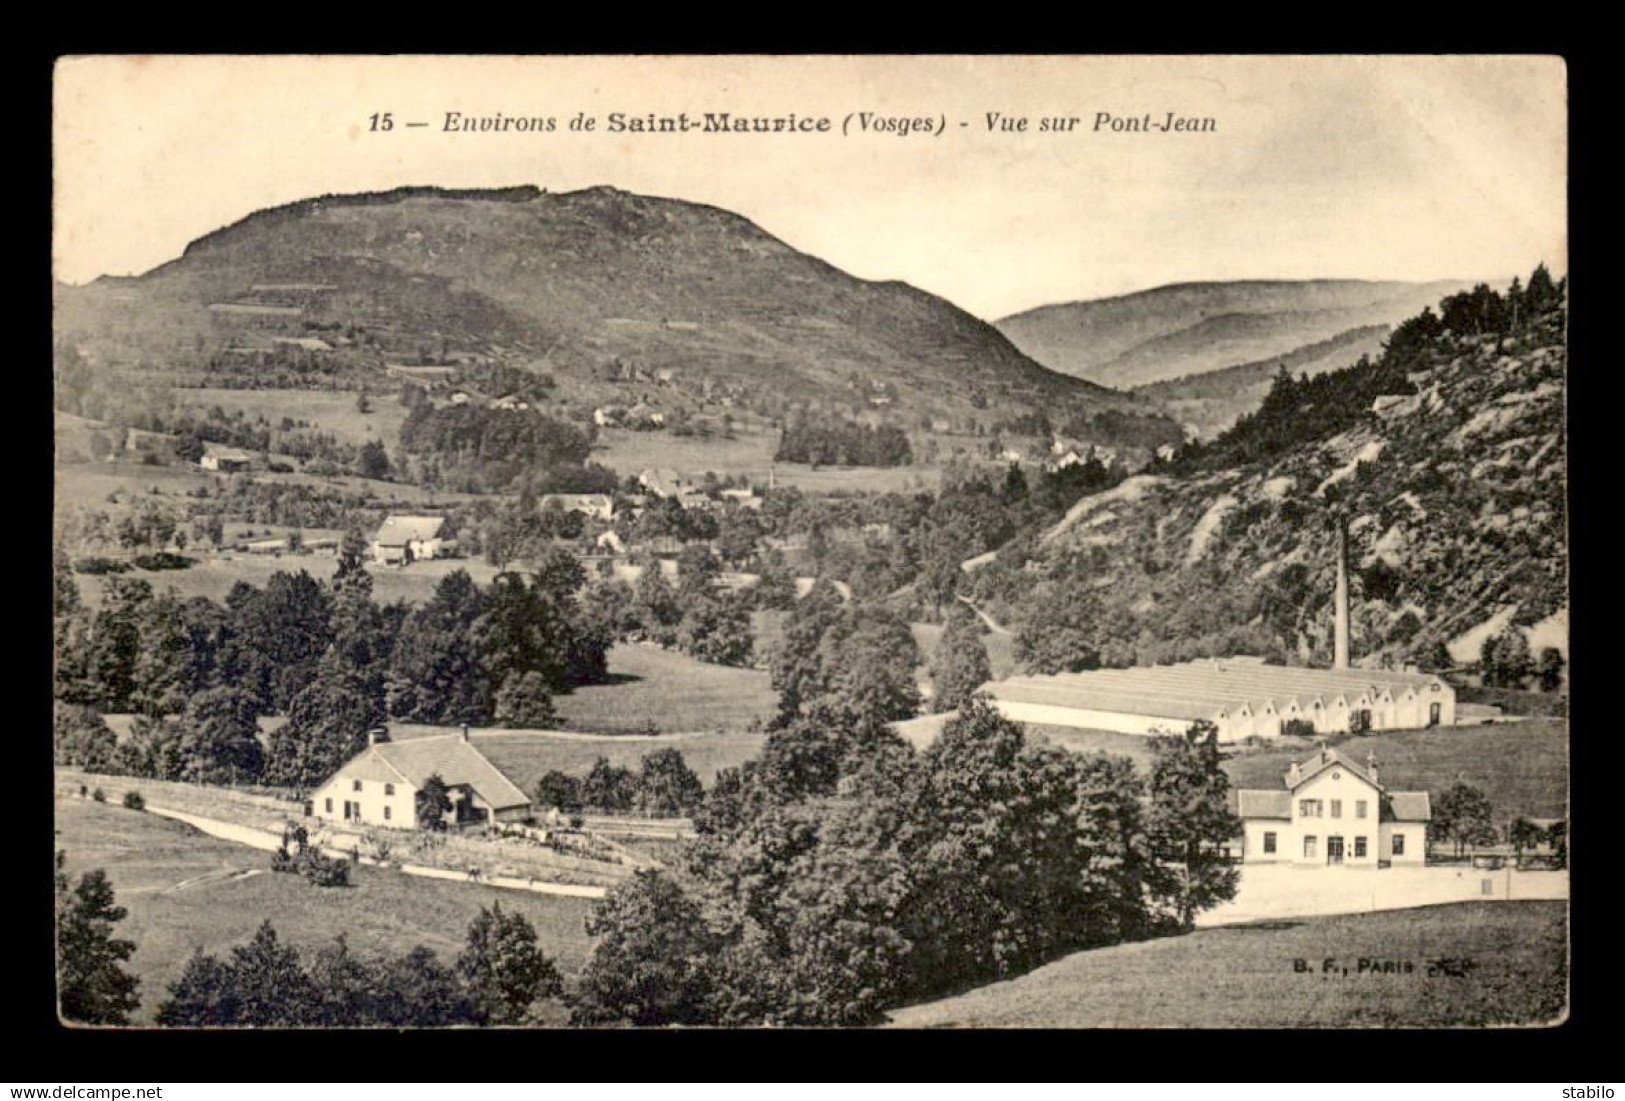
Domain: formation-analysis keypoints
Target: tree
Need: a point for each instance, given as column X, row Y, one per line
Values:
column 432, row 803
column 960, row 665
column 327, row 725
column 262, row 984
column 372, row 461
column 525, row 702
column 1061, row 632
column 559, row 790
column 220, row 741
column 1504, row 660
column 609, row 789
column 83, row 739
column 649, row 959
column 717, row 629
column 1188, row 820
column 1524, row 834
column 1550, row 669
column 1463, row 816
column 775, row 589
column 667, row 787
column 92, row 985
column 505, row 971
column 437, row 670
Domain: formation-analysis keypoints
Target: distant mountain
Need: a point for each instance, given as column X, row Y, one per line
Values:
column 1208, row 403
column 589, row 285
column 1189, row 328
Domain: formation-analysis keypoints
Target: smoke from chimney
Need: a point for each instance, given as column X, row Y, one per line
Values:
column 1340, row 600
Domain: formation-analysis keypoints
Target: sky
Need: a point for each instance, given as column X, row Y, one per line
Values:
column 1412, row 168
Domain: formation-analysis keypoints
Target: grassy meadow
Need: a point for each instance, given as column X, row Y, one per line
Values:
column 1243, row 976
column 186, row 890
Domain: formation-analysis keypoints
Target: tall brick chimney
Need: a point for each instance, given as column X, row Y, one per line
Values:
column 1340, row 600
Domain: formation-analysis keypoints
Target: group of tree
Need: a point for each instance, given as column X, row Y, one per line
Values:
column 1504, row 661
column 501, row 977
column 497, row 446
column 662, row 787
column 841, row 873
column 199, row 675
column 696, row 616
column 836, row 441
column 847, row 665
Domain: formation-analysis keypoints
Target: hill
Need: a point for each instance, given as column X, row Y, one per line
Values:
column 622, row 296
column 1190, row 328
column 1445, row 456
column 1209, row 402
column 1242, row 976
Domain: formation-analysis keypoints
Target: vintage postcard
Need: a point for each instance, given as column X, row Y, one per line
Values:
column 735, row 541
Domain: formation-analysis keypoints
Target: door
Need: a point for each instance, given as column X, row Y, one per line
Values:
column 1334, row 850
column 1433, row 714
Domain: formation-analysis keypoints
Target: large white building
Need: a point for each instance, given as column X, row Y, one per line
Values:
column 1243, row 697
column 1332, row 812
column 379, row 785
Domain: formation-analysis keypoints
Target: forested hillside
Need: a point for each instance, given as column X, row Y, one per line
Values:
column 1445, row 456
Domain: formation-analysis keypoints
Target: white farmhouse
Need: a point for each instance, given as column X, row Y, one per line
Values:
column 403, row 539
column 379, row 786
column 1332, row 812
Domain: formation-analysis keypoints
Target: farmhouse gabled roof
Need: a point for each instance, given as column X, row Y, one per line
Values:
column 456, row 762
column 400, row 530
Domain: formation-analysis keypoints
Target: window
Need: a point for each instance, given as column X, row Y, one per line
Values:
column 389, row 789
column 1269, row 842
column 1359, row 808
column 1359, row 846
column 1310, row 808
column 329, row 806
column 386, row 819
column 356, row 786
column 1309, row 847
column 1337, row 808
column 1399, row 844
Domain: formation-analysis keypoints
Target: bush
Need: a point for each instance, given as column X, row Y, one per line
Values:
column 1360, row 722
column 98, row 565
column 164, row 560
column 133, row 801
column 99, row 795
column 1298, row 728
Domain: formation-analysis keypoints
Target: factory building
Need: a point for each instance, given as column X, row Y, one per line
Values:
column 1243, row 697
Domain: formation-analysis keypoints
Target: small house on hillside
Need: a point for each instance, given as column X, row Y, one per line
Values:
column 663, row 482
column 403, row 539
column 596, row 506
column 379, row 786
column 1332, row 812
column 226, row 460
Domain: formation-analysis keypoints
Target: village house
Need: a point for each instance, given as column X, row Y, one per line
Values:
column 379, row 785
column 1332, row 812
column 403, row 539
column 595, row 506
column 664, row 482
column 226, row 460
